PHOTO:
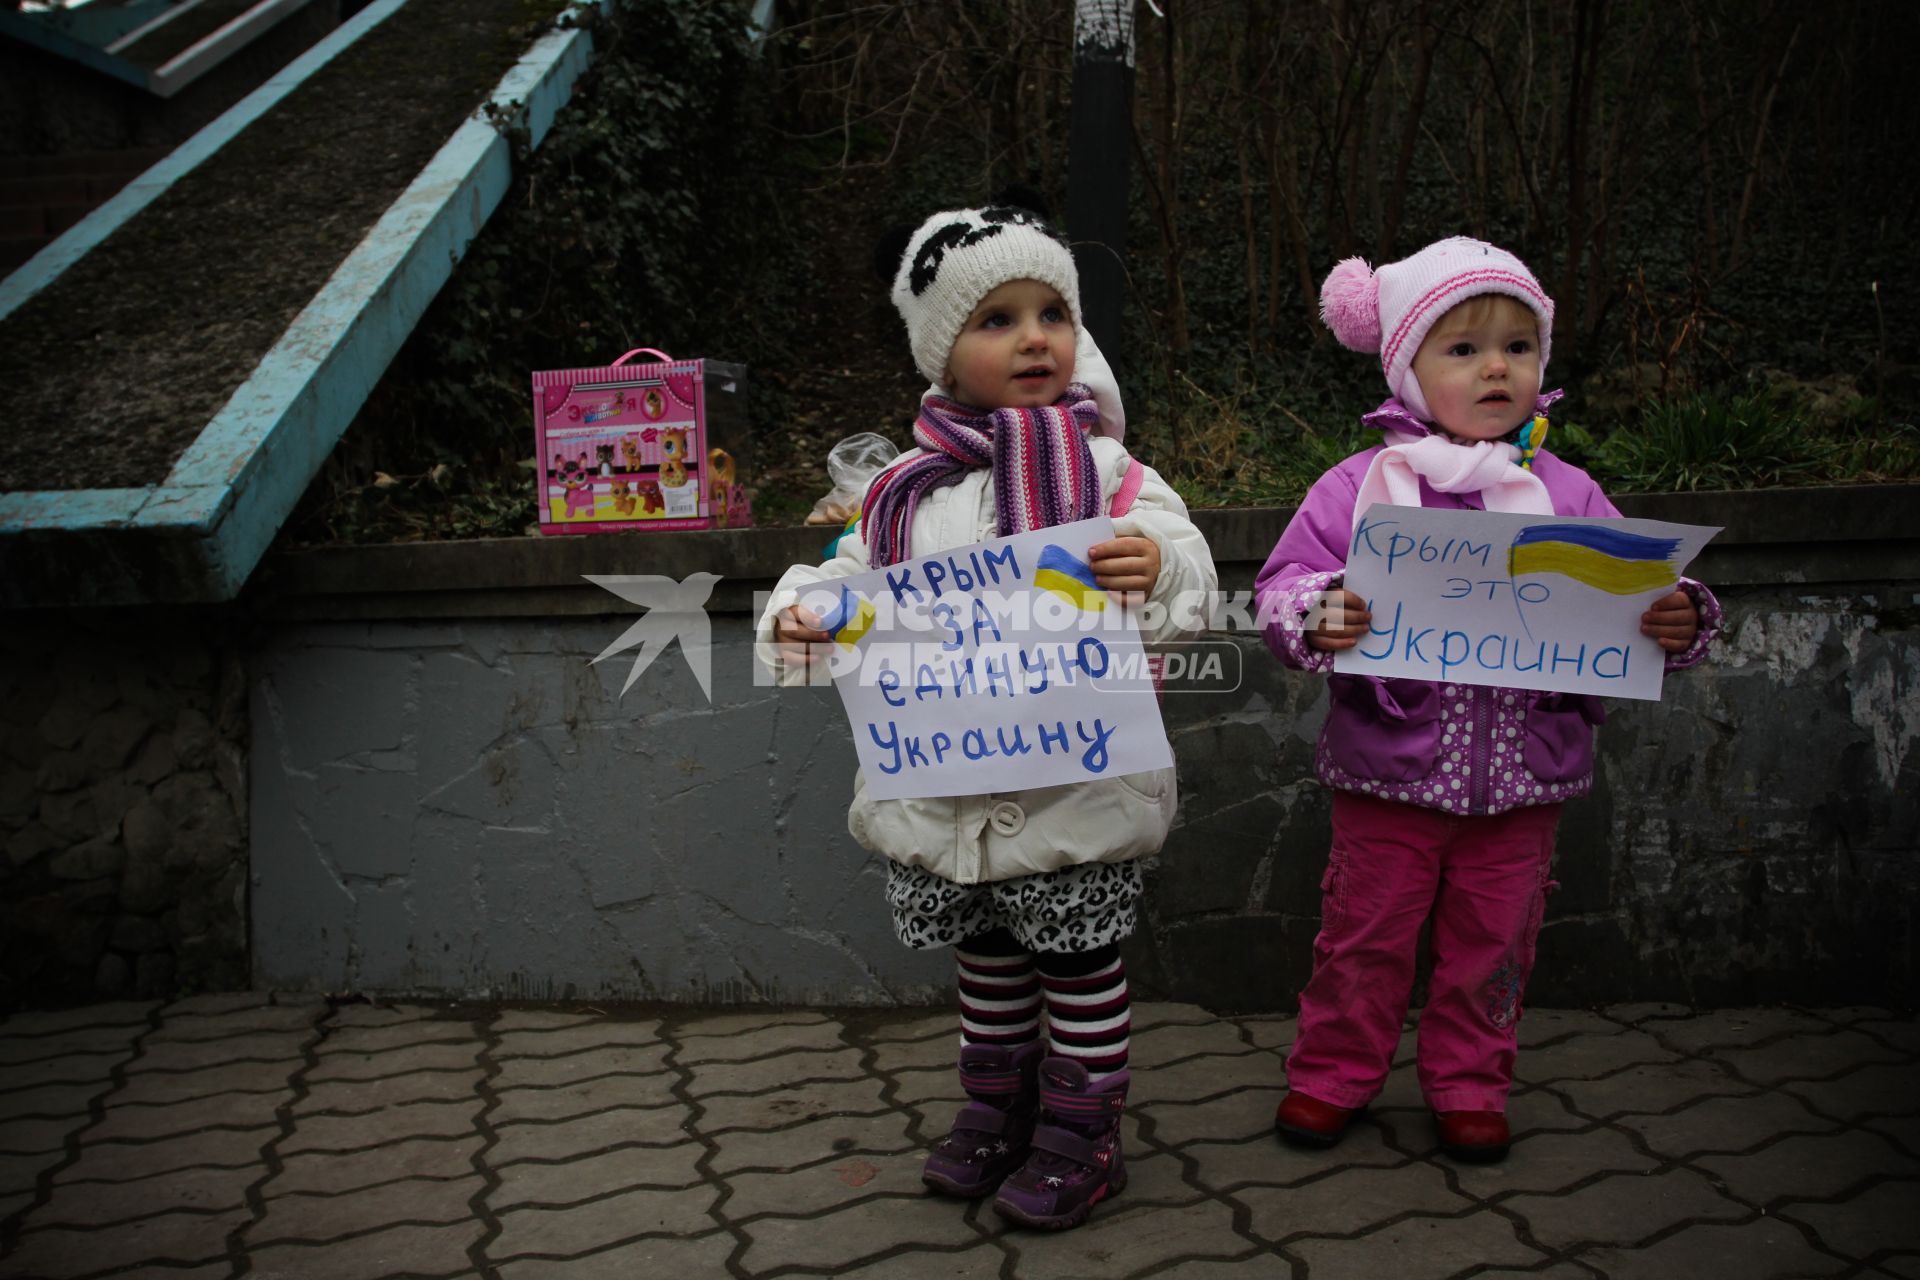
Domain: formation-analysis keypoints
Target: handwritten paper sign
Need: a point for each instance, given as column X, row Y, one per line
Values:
column 1528, row 602
column 994, row 667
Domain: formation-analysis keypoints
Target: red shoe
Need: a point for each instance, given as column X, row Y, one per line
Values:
column 1475, row 1137
column 1309, row 1122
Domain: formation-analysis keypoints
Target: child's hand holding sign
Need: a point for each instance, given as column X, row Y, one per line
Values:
column 798, row 630
column 1127, row 565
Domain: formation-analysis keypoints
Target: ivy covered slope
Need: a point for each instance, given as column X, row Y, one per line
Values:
column 657, row 212
column 1698, row 188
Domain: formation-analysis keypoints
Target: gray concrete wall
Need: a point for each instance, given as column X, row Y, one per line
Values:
column 447, row 797
column 471, row 808
column 1749, row 839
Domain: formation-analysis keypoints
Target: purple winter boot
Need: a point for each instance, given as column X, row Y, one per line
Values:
column 1076, row 1161
column 991, row 1135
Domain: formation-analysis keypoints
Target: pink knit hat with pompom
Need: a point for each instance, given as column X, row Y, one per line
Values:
column 1391, row 310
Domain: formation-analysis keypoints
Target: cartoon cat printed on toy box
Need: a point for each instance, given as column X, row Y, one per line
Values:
column 673, row 443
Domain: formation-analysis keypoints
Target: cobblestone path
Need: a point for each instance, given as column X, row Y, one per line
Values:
column 292, row 1137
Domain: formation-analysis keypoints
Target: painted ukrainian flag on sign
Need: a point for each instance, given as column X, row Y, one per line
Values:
column 1070, row 578
column 848, row 620
column 1610, row 560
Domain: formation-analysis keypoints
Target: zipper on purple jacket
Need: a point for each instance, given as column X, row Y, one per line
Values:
column 1480, row 787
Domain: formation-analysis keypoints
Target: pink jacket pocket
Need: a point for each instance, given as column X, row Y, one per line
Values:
column 1383, row 730
column 1559, row 741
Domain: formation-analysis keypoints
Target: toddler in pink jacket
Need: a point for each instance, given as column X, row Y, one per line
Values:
column 1446, row 796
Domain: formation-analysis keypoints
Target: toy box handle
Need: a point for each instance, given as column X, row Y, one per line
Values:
column 645, row 351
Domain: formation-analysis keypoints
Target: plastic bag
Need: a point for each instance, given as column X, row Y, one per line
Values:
column 853, row 463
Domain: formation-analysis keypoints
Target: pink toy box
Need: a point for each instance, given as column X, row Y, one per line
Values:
column 660, row 445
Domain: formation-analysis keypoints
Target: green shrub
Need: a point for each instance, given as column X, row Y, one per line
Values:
column 1748, row 439
column 1713, row 442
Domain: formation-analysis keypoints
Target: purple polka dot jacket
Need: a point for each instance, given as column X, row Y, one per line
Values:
column 1466, row 749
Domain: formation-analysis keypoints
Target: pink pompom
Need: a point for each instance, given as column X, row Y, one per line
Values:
column 1350, row 304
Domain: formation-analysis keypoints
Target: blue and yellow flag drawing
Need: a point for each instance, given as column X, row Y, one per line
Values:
column 1610, row 560
column 848, row 620
column 1070, row 578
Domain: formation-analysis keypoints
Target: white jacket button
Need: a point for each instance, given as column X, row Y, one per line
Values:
column 1007, row 818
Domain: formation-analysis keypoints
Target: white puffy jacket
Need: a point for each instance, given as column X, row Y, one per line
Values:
column 969, row 839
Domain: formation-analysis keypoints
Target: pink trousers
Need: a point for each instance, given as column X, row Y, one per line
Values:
column 1484, row 880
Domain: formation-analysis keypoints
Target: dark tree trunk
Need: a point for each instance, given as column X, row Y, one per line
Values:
column 1098, row 140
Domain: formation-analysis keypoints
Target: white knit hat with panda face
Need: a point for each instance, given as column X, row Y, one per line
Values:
column 959, row 256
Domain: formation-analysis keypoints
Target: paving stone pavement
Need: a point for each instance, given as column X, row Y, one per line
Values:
column 288, row 1136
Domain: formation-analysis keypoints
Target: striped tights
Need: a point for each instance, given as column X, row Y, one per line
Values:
column 1003, row 985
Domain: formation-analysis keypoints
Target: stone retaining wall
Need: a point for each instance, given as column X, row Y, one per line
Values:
column 123, row 804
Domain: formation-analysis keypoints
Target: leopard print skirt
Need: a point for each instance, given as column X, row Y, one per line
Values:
column 1076, row 908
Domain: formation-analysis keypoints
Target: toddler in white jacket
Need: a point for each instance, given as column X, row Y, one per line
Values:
column 1033, row 889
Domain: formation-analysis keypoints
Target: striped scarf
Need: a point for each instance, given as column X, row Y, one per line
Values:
column 1043, row 470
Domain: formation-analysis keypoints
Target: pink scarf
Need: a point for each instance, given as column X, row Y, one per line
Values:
column 1415, row 452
